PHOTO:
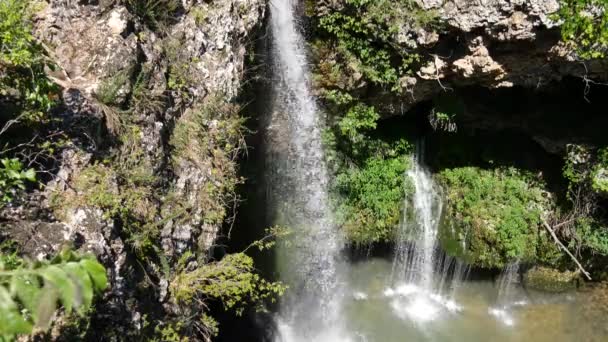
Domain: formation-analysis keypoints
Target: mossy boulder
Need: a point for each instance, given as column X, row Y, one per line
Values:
column 492, row 217
column 550, row 280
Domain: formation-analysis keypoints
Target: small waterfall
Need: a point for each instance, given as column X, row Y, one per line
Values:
column 507, row 298
column 417, row 286
column 415, row 253
column 298, row 189
column 508, row 277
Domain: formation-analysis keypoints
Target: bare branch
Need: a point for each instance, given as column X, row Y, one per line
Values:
column 561, row 245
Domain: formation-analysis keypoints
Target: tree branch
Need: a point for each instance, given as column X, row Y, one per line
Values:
column 561, row 245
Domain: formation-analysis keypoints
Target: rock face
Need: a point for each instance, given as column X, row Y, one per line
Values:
column 105, row 54
column 506, row 43
column 494, row 44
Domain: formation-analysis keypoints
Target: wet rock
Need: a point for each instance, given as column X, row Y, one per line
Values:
column 550, row 280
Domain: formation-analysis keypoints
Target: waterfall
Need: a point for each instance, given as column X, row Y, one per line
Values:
column 298, row 189
column 507, row 297
column 416, row 286
column 415, row 251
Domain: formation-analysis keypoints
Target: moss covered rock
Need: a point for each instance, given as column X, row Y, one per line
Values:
column 550, row 280
column 493, row 215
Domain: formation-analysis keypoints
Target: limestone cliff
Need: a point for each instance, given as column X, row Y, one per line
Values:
column 134, row 182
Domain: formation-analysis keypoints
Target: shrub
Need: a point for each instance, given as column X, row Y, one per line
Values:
column 13, row 178
column 370, row 183
column 372, row 199
column 231, row 281
column 495, row 212
column 585, row 26
column 22, row 61
column 364, row 30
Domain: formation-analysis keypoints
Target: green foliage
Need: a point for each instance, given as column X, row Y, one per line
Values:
column 370, row 181
column 446, row 108
column 496, row 212
column 9, row 256
column 592, row 235
column 372, row 198
column 109, row 89
column 232, row 280
column 211, row 137
column 586, row 169
column 156, row 14
column 358, row 119
column 30, row 292
column 12, row 178
column 18, row 44
column 585, row 26
column 363, row 31
column 169, row 333
column 599, row 173
column 272, row 235
column 22, row 61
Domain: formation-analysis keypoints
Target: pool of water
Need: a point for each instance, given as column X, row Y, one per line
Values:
column 377, row 309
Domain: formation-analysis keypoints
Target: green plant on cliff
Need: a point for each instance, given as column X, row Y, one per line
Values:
column 496, row 213
column 124, row 187
column 211, row 137
column 364, row 30
column 12, row 178
column 22, row 62
column 156, row 14
column 585, row 26
column 232, row 281
column 30, row 292
column 370, row 181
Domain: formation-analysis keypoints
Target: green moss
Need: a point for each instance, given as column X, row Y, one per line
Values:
column 496, row 213
column 550, row 280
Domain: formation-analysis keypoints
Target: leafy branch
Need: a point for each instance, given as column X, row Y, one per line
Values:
column 29, row 295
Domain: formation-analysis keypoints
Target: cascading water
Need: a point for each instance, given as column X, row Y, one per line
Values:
column 508, row 297
column 416, row 288
column 298, row 190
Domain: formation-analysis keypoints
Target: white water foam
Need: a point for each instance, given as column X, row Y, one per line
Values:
column 414, row 303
